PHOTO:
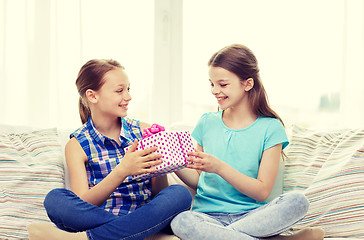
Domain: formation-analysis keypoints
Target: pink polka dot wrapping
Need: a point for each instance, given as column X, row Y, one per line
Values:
column 173, row 146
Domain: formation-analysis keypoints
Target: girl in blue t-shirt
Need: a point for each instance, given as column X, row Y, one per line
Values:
column 105, row 202
column 237, row 159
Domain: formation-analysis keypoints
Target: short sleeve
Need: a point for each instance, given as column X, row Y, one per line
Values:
column 197, row 132
column 275, row 134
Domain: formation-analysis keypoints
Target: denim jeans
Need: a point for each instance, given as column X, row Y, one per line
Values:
column 269, row 220
column 72, row 214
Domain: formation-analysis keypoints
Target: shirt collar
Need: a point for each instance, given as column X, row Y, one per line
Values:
column 100, row 139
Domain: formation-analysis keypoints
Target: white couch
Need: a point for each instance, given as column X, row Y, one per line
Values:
column 328, row 166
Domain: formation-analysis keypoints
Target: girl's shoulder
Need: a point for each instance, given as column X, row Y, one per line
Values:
column 83, row 136
column 211, row 115
column 270, row 122
column 209, row 118
column 131, row 128
column 130, row 123
column 79, row 131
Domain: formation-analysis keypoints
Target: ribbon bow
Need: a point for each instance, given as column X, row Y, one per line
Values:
column 155, row 128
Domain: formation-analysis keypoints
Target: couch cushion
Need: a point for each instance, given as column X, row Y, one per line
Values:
column 328, row 166
column 31, row 164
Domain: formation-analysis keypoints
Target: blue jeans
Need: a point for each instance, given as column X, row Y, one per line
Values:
column 70, row 213
column 266, row 221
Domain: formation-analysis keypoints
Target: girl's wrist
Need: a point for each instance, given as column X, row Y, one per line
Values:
column 121, row 172
column 223, row 167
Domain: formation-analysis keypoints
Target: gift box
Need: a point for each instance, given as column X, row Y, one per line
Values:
column 173, row 146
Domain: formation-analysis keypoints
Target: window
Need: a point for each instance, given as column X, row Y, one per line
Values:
column 299, row 46
column 45, row 43
column 310, row 54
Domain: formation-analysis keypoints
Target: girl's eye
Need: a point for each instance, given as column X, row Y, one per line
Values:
column 223, row 85
column 121, row 90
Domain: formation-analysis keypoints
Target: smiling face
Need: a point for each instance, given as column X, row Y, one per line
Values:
column 113, row 97
column 227, row 87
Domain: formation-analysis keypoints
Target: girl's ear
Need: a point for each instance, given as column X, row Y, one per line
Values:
column 91, row 96
column 248, row 84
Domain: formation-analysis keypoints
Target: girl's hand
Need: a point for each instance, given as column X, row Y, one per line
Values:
column 204, row 162
column 139, row 162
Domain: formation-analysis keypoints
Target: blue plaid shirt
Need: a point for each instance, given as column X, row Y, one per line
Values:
column 103, row 154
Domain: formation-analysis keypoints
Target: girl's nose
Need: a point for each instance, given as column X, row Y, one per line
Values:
column 127, row 96
column 214, row 90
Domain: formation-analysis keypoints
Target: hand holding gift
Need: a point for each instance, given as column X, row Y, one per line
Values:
column 139, row 162
column 173, row 146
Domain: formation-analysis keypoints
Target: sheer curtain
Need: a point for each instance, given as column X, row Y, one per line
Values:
column 45, row 42
column 311, row 55
column 40, row 57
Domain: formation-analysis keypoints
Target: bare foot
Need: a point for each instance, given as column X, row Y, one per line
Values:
column 304, row 234
column 47, row 231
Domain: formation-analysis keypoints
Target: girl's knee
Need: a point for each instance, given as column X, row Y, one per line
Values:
column 296, row 202
column 53, row 196
column 300, row 200
column 56, row 200
column 182, row 194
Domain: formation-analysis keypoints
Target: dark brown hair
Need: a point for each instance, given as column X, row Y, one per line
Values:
column 91, row 76
column 241, row 61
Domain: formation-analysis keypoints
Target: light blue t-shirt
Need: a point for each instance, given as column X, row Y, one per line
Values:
column 240, row 148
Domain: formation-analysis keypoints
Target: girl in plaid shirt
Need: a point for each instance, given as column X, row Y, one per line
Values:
column 105, row 202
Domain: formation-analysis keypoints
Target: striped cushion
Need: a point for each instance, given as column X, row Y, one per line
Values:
column 31, row 164
column 329, row 168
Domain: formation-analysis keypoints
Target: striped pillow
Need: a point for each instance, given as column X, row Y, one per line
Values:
column 329, row 168
column 31, row 164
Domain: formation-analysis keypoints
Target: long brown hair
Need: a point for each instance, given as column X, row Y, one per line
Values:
column 241, row 61
column 91, row 76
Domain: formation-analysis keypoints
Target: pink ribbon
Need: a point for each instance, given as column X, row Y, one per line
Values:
column 155, row 128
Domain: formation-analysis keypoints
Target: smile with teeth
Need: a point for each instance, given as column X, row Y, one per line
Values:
column 221, row 98
column 125, row 106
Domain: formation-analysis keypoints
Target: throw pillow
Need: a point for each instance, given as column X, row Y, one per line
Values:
column 31, row 164
column 328, row 166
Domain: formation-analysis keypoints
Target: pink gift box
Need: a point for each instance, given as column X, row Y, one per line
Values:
column 173, row 146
